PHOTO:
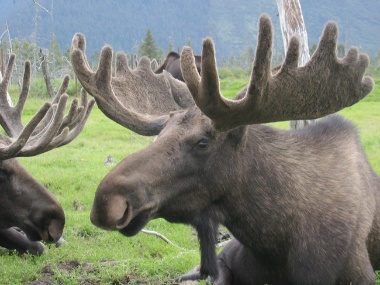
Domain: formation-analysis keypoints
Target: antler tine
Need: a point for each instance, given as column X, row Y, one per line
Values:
column 75, row 114
column 122, row 68
column 136, row 99
column 37, row 143
column 326, row 84
column 68, row 133
column 13, row 147
column 48, row 128
column 71, row 116
column 225, row 113
column 10, row 117
column 46, row 120
column 54, row 135
column 77, row 117
column 77, row 127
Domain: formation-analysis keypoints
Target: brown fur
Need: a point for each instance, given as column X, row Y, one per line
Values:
column 12, row 238
column 25, row 203
column 144, row 114
column 301, row 204
column 28, row 205
column 301, row 201
column 172, row 65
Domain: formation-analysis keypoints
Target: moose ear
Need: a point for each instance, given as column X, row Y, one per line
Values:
column 237, row 136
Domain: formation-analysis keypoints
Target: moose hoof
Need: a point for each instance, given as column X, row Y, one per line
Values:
column 60, row 242
column 193, row 275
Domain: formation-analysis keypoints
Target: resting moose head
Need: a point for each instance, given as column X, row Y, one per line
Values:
column 24, row 202
column 172, row 64
column 302, row 202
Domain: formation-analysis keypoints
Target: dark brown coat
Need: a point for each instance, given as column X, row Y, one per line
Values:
column 172, row 64
column 303, row 203
column 24, row 202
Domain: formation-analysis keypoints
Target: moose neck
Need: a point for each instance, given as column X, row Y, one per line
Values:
column 264, row 152
column 277, row 161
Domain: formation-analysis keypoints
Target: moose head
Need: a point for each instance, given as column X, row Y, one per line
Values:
column 172, row 64
column 24, row 202
column 300, row 201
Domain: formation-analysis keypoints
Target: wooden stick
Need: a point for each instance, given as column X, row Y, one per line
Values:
column 160, row 236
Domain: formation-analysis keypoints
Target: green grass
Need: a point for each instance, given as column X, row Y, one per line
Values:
column 38, row 88
column 73, row 172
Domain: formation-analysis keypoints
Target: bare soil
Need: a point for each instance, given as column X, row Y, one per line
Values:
column 49, row 274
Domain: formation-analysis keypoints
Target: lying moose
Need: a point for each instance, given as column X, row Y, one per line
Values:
column 302, row 204
column 24, row 202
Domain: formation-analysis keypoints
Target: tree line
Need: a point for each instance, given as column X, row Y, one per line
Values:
column 52, row 62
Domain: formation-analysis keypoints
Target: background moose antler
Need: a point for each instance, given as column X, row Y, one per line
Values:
column 49, row 128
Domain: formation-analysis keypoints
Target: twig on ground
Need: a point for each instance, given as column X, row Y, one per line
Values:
column 161, row 236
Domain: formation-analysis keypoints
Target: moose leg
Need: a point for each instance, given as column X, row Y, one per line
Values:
column 225, row 275
column 237, row 265
column 207, row 229
column 11, row 238
column 207, row 235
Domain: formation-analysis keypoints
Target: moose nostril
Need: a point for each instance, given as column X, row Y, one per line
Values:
column 110, row 213
column 54, row 230
column 125, row 219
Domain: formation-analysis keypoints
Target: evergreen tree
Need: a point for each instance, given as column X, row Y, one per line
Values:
column 189, row 43
column 312, row 49
column 148, row 47
column 171, row 45
column 341, row 51
column 247, row 57
column 56, row 60
column 374, row 67
column 94, row 59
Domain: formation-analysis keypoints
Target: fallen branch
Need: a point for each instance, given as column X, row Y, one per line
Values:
column 161, row 236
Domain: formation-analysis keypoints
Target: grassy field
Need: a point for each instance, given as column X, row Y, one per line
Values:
column 94, row 256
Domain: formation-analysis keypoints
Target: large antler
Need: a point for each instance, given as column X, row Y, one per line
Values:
column 137, row 99
column 48, row 129
column 326, row 84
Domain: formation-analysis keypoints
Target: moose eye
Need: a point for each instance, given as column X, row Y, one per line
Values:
column 3, row 173
column 203, row 144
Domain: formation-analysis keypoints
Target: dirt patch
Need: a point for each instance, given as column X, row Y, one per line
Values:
column 50, row 274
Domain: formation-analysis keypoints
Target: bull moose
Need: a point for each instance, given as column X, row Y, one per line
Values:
column 302, row 204
column 24, row 202
column 172, row 65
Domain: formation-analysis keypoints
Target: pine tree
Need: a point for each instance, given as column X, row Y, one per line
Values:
column 148, row 47
column 189, row 43
column 55, row 57
column 341, row 50
column 171, row 45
